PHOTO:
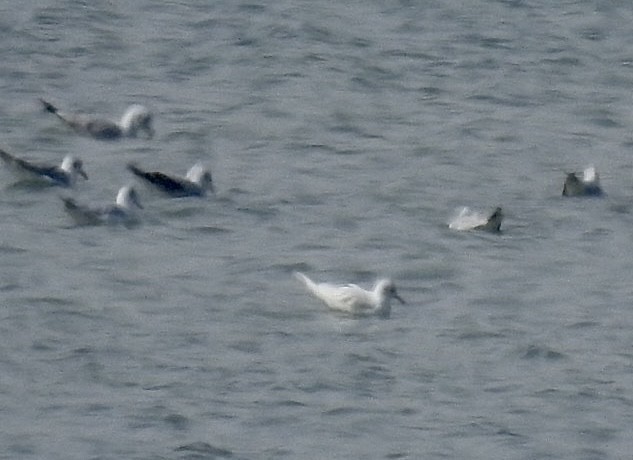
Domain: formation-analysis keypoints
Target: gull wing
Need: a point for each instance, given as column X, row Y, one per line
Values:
column 54, row 173
column 349, row 298
column 81, row 214
column 171, row 185
column 100, row 129
column 20, row 164
column 97, row 128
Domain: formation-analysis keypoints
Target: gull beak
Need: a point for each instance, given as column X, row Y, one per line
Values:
column 83, row 174
column 400, row 299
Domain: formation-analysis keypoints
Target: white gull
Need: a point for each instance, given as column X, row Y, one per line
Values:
column 122, row 212
column 196, row 183
column 352, row 299
column 135, row 119
column 64, row 175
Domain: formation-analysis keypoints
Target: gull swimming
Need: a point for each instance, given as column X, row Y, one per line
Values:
column 589, row 185
column 135, row 119
column 472, row 220
column 122, row 212
column 352, row 299
column 64, row 175
column 196, row 183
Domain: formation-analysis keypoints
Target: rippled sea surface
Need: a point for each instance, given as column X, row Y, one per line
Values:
column 342, row 139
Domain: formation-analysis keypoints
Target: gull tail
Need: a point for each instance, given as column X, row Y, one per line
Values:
column 307, row 282
column 15, row 162
column 6, row 157
column 55, row 111
column 70, row 204
column 49, row 107
column 137, row 171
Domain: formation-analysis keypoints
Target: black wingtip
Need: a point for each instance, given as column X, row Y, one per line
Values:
column 69, row 203
column 48, row 106
column 135, row 169
column 6, row 156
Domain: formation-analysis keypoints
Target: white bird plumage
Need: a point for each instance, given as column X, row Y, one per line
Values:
column 136, row 119
column 122, row 212
column 352, row 299
column 64, row 175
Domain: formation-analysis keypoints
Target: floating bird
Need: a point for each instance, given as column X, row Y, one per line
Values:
column 196, row 183
column 589, row 185
column 64, row 175
column 122, row 212
column 471, row 220
column 352, row 299
column 136, row 119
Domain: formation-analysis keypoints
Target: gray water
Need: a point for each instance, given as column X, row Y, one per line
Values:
column 342, row 139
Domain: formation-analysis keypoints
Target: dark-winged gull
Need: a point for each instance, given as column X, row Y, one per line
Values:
column 196, row 183
column 64, row 175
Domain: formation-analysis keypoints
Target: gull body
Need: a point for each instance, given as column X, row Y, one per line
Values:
column 64, row 175
column 135, row 120
column 589, row 185
column 196, row 183
column 352, row 299
column 122, row 212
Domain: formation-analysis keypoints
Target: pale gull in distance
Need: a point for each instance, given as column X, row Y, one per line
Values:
column 352, row 299
column 64, row 175
column 473, row 220
column 122, row 212
column 136, row 119
column 589, row 185
column 196, row 183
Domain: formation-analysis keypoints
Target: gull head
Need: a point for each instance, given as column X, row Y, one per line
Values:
column 590, row 175
column 386, row 288
column 128, row 197
column 137, row 118
column 200, row 175
column 74, row 166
